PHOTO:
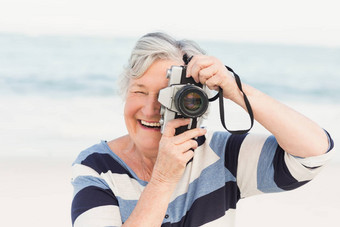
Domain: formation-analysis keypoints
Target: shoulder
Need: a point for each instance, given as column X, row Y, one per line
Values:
column 91, row 151
column 119, row 145
column 100, row 158
column 93, row 195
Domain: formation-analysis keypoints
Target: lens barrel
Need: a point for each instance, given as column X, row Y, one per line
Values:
column 191, row 101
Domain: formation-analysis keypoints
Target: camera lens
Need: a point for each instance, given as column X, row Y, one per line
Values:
column 191, row 101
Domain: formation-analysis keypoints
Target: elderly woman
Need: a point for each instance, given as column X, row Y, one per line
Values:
column 149, row 178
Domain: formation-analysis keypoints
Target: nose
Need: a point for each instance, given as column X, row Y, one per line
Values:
column 151, row 107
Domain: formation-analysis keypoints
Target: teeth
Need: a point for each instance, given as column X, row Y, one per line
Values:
column 151, row 124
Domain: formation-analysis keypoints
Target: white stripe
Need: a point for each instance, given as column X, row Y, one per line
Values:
column 247, row 164
column 227, row 220
column 82, row 170
column 316, row 161
column 123, row 186
column 204, row 156
column 298, row 171
column 99, row 216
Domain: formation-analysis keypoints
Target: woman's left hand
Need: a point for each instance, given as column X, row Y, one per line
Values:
column 211, row 71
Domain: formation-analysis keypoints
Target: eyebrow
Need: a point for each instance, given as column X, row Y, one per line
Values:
column 138, row 85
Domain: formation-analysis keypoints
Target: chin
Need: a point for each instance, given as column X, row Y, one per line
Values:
column 145, row 137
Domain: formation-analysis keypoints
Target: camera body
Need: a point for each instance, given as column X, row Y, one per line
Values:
column 183, row 98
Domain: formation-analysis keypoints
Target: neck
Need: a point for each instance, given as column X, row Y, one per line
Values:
column 145, row 164
column 140, row 160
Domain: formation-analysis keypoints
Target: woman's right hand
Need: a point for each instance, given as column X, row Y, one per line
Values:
column 174, row 152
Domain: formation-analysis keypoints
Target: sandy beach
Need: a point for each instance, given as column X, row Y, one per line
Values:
column 37, row 192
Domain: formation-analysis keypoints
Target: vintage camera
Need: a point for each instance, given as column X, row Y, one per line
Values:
column 183, row 98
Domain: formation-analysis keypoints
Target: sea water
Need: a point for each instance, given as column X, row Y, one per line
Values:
column 59, row 94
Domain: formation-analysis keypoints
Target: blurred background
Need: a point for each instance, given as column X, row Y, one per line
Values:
column 60, row 61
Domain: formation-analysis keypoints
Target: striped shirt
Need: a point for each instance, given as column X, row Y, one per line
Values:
column 225, row 168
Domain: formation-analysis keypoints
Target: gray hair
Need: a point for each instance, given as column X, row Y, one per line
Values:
column 150, row 48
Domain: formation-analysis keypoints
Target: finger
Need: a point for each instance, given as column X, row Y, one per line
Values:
column 207, row 73
column 198, row 67
column 196, row 64
column 213, row 83
column 188, row 155
column 188, row 135
column 186, row 146
column 170, row 127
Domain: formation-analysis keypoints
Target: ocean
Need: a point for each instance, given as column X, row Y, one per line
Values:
column 59, row 93
column 89, row 66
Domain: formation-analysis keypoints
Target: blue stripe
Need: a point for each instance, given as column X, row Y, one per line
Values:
column 211, row 178
column 330, row 141
column 217, row 144
column 97, row 148
column 82, row 182
column 89, row 198
column 265, row 169
column 232, row 151
column 102, row 159
column 209, row 207
column 126, row 207
column 102, row 163
column 282, row 177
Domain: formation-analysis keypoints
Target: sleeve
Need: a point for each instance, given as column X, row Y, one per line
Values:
column 262, row 166
column 94, row 203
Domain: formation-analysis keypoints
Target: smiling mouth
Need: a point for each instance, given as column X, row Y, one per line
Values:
column 154, row 125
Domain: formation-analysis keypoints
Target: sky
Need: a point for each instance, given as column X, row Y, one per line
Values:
column 282, row 21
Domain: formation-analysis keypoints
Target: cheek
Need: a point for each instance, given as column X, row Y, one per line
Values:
column 132, row 105
column 128, row 110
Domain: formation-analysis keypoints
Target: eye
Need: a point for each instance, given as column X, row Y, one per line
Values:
column 139, row 92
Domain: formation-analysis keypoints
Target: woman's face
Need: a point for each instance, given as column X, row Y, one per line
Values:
column 142, row 108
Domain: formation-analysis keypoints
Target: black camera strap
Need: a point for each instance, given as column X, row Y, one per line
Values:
column 246, row 101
